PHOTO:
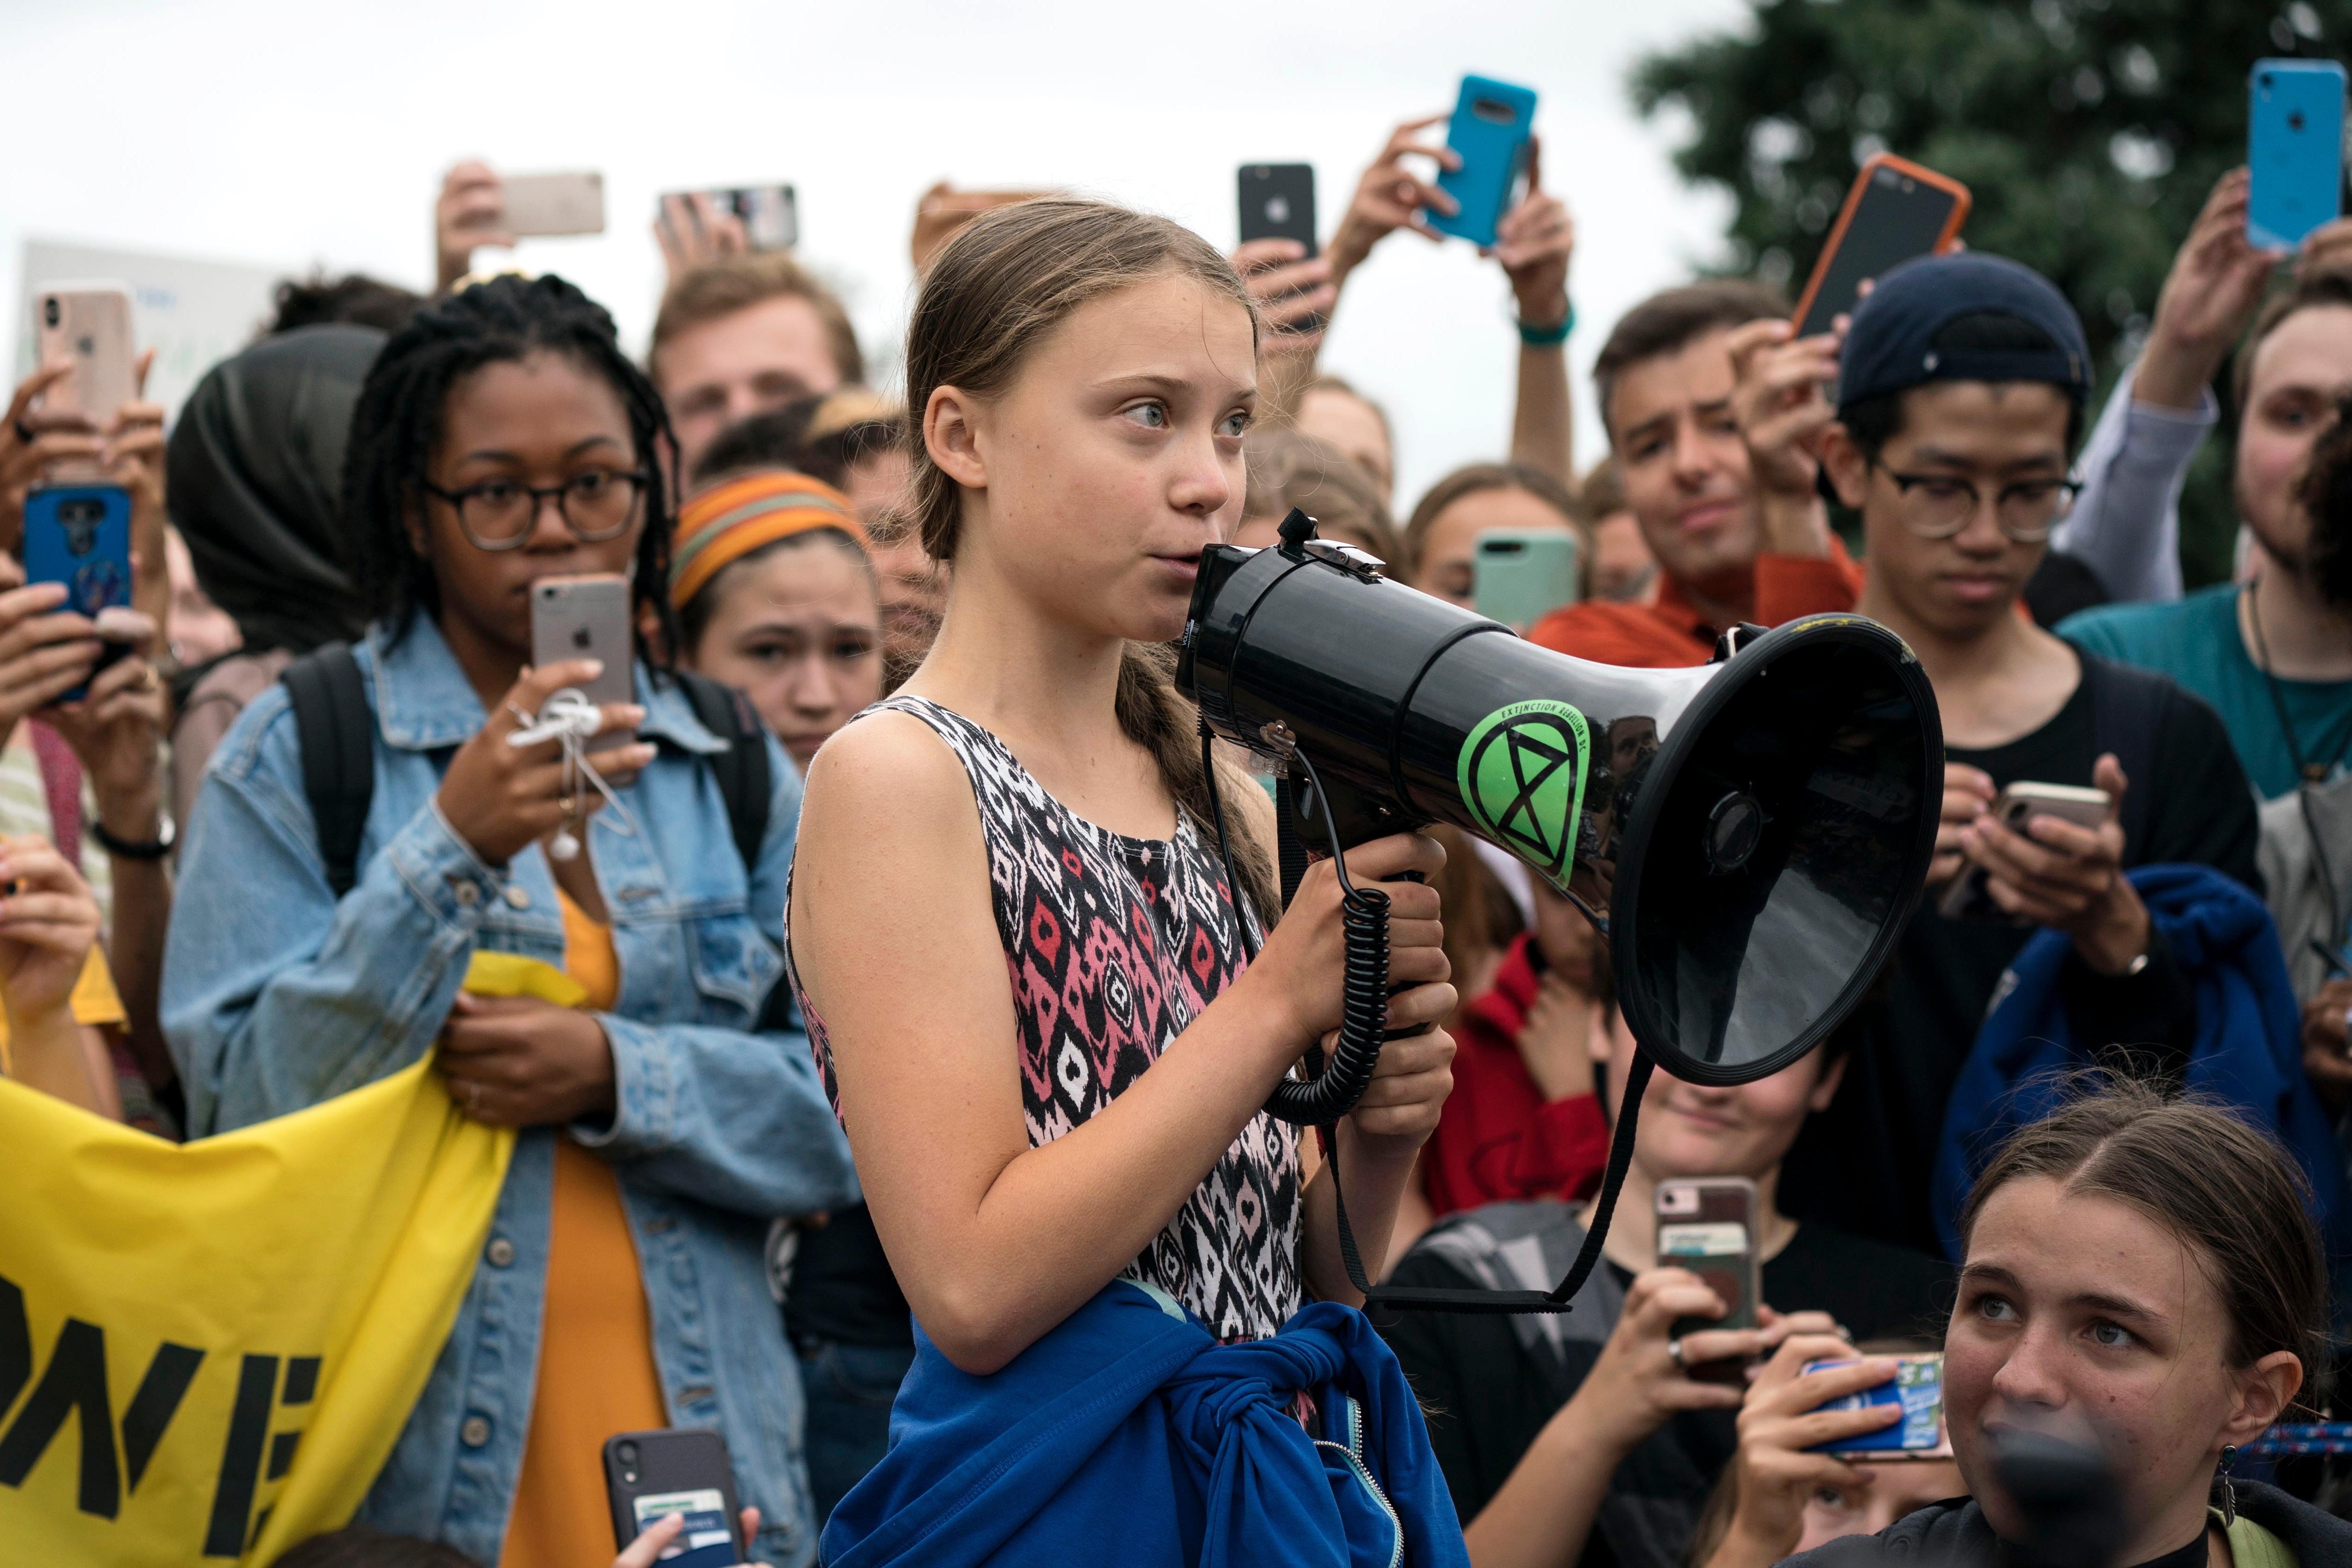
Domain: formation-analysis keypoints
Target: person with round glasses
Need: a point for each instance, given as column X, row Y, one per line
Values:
column 1960, row 388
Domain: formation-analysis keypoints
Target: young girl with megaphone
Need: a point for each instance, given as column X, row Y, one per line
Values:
column 1023, row 967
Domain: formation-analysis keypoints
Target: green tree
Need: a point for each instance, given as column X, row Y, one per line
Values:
column 2088, row 130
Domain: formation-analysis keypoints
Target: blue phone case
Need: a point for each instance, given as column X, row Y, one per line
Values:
column 1917, row 1386
column 1492, row 121
column 2295, row 147
column 80, row 535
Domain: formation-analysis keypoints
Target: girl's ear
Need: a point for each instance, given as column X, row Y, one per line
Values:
column 2264, row 1391
column 951, row 435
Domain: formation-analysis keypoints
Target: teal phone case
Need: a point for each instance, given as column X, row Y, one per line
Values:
column 2295, row 147
column 1518, row 577
column 1492, row 122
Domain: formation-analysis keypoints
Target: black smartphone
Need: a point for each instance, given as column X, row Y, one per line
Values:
column 1895, row 210
column 1278, row 203
column 650, row 1475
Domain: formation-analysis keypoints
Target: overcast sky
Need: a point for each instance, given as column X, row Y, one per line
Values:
column 289, row 135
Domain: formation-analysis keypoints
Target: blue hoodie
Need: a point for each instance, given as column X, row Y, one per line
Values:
column 1128, row 1434
column 2249, row 1050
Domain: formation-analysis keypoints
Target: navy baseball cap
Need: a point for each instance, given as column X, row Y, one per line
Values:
column 1899, row 338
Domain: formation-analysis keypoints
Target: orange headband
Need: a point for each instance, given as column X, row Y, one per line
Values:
column 727, row 521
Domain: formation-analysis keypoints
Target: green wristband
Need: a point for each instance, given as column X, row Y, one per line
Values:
column 1549, row 337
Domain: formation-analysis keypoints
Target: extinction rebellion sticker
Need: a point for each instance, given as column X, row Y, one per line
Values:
column 1522, row 775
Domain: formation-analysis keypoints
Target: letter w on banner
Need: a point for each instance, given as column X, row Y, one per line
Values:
column 208, row 1350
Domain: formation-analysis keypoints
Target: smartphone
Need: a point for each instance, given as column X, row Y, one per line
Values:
column 648, row 1474
column 553, row 204
column 2295, row 148
column 1278, row 202
column 1919, row 1387
column 587, row 617
column 86, row 325
column 1967, row 898
column 1492, row 122
column 80, row 535
column 1707, row 1225
column 1520, row 575
column 770, row 214
column 1894, row 210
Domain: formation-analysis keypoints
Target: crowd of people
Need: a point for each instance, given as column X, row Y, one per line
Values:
column 920, row 1008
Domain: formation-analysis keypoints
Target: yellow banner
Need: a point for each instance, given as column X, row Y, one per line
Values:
column 208, row 1350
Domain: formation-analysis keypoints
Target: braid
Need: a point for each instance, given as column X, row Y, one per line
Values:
column 398, row 423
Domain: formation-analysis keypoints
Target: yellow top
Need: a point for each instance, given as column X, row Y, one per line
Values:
column 94, row 1000
column 597, row 1372
column 2252, row 1546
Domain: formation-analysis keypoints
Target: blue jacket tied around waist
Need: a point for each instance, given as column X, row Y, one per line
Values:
column 2249, row 1050
column 1128, row 1434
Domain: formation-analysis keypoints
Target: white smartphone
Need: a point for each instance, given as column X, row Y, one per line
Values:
column 553, row 204
column 1967, row 898
column 86, row 325
column 587, row 616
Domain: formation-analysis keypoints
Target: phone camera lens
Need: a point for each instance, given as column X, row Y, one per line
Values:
column 628, row 1452
column 50, row 312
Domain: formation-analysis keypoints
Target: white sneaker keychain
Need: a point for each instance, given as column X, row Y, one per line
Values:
column 569, row 716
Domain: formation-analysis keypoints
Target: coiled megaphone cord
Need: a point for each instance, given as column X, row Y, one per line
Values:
column 1332, row 1087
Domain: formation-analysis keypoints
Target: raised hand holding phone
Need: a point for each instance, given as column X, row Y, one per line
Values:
column 1490, row 131
column 1894, row 210
column 2295, row 148
column 1389, row 196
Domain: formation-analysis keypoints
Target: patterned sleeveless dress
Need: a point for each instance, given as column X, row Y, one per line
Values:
column 1113, row 946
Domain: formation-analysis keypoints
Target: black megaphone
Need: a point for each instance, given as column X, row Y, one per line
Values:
column 1749, row 836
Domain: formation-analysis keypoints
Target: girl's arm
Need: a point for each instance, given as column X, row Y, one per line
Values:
column 996, row 1242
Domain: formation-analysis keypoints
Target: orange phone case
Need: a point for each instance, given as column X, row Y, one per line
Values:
column 1877, row 161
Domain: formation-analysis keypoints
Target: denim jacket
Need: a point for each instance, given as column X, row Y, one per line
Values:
column 277, row 996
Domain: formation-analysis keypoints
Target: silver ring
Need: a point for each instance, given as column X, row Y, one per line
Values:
column 1674, row 1354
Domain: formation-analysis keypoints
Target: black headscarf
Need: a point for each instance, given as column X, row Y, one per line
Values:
column 255, row 475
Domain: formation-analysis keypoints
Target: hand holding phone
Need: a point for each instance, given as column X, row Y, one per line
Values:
column 587, row 616
column 1707, row 1225
column 1909, row 1404
column 1894, row 210
column 695, row 226
column 84, row 328
column 650, row 1476
column 1489, row 133
column 79, row 536
column 1970, row 896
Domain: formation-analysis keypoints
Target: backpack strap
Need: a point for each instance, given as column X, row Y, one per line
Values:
column 747, row 788
column 2126, row 706
column 742, row 770
column 337, row 729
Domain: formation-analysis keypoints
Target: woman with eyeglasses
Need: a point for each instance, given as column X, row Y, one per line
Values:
column 501, row 438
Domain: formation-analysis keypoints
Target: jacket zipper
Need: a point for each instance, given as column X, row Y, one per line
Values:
column 1354, row 1452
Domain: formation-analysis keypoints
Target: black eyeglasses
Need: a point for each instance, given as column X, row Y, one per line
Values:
column 595, row 505
column 1939, row 506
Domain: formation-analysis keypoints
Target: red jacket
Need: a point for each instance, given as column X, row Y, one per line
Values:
column 1671, row 634
column 1498, row 1139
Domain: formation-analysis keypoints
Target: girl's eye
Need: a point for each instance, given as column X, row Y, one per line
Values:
column 1996, row 1309
column 2110, row 1335
column 1236, row 425
column 1829, row 1498
column 850, row 649
column 1151, row 416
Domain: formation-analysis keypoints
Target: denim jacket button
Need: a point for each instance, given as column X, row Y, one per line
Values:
column 468, row 894
column 517, row 895
column 501, row 1252
column 475, row 1432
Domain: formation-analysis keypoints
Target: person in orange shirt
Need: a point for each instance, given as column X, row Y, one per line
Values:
column 1712, row 407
